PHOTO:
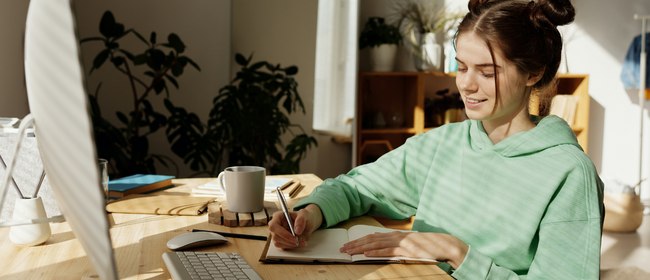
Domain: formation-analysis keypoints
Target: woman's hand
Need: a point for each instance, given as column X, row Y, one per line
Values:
column 305, row 221
column 437, row 246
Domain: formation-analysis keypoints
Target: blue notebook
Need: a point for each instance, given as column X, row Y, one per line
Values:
column 138, row 183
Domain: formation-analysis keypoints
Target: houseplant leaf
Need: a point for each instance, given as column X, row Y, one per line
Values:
column 176, row 43
column 107, row 24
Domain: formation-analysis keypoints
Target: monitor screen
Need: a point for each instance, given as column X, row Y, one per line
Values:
column 58, row 103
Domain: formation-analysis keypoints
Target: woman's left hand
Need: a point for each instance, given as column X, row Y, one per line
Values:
column 424, row 245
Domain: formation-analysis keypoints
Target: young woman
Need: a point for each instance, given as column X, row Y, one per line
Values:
column 502, row 195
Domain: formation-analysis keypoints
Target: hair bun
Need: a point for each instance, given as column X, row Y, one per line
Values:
column 558, row 12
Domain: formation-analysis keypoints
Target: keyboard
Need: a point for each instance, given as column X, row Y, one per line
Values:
column 208, row 265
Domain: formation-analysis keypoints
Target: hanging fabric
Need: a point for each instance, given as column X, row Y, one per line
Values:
column 631, row 73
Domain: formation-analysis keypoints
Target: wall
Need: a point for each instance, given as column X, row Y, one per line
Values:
column 596, row 44
column 284, row 31
column 204, row 27
column 602, row 33
column 13, row 95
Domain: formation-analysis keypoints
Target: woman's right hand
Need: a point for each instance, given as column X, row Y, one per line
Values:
column 305, row 221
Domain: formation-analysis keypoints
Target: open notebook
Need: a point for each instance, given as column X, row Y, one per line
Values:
column 324, row 244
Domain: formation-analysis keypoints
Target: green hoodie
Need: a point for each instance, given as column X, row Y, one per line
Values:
column 528, row 207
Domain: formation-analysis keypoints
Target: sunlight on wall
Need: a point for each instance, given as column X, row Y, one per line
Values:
column 616, row 125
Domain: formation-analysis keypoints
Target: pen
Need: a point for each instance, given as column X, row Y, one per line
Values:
column 40, row 182
column 4, row 165
column 233, row 235
column 286, row 212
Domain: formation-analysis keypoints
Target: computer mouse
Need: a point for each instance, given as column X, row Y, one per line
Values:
column 195, row 240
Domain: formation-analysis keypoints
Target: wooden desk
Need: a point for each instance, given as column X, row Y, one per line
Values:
column 139, row 242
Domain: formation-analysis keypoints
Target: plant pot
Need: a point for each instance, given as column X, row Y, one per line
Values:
column 427, row 53
column 29, row 235
column 623, row 212
column 382, row 57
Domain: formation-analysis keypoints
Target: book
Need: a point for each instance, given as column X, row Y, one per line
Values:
column 212, row 189
column 138, row 183
column 564, row 106
column 324, row 244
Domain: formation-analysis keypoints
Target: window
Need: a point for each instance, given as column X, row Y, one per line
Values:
column 336, row 66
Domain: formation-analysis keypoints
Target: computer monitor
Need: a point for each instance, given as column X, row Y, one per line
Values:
column 58, row 102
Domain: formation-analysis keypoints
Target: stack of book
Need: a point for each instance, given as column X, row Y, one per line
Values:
column 564, row 106
column 138, row 184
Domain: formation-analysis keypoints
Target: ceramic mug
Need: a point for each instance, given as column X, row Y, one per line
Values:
column 29, row 235
column 244, row 188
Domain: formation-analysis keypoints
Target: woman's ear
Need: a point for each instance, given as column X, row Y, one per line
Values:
column 534, row 77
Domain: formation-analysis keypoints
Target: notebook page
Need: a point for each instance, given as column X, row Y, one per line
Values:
column 359, row 231
column 323, row 245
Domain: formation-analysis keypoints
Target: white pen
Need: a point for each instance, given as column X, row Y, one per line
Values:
column 285, row 210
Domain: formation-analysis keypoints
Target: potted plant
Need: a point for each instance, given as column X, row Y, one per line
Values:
column 420, row 21
column 382, row 39
column 245, row 125
column 127, row 146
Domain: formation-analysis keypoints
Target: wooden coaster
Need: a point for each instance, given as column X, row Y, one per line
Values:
column 219, row 214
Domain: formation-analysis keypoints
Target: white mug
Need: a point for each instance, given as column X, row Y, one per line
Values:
column 29, row 235
column 244, row 188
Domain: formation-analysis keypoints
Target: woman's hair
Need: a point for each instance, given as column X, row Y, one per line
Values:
column 525, row 32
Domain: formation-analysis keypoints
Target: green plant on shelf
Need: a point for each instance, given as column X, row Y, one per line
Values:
column 376, row 32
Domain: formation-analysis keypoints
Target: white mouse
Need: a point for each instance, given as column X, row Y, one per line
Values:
column 195, row 240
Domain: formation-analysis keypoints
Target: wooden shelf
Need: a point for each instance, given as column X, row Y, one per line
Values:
column 389, row 130
column 405, row 93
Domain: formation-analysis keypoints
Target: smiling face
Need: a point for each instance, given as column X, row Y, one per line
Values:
column 475, row 80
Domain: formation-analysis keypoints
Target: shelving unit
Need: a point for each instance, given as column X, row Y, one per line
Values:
column 404, row 93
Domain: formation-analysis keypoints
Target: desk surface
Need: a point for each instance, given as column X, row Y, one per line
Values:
column 139, row 242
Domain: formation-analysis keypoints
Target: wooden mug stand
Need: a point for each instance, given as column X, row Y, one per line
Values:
column 219, row 214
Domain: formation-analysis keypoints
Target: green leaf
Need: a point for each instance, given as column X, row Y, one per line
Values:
column 122, row 34
column 287, row 104
column 118, row 30
column 107, row 24
column 122, row 117
column 117, row 61
column 172, row 80
column 141, row 38
column 159, row 86
column 241, row 60
column 91, row 39
column 127, row 54
column 152, row 38
column 292, row 70
column 140, row 59
column 191, row 62
column 177, row 69
column 176, row 43
column 150, row 74
column 94, row 106
column 101, row 58
column 257, row 65
column 169, row 105
column 148, row 109
column 157, row 59
column 154, row 126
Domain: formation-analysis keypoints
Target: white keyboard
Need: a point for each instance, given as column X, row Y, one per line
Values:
column 208, row 265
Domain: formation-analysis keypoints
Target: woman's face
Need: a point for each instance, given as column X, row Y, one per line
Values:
column 475, row 81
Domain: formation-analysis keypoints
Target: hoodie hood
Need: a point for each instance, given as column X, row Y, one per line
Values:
column 549, row 132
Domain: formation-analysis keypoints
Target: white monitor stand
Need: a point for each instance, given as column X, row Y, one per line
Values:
column 58, row 103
